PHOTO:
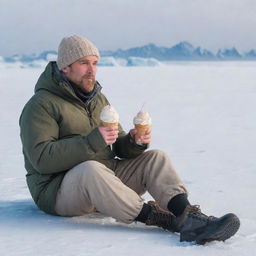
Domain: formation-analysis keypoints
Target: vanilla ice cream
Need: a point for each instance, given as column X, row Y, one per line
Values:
column 109, row 116
column 142, row 122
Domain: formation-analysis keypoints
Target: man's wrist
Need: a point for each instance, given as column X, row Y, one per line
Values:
column 134, row 143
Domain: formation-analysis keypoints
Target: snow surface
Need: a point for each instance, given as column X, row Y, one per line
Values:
column 203, row 117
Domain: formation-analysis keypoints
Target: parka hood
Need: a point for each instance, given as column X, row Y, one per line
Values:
column 52, row 80
column 55, row 82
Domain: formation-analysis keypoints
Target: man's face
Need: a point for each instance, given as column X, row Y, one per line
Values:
column 82, row 72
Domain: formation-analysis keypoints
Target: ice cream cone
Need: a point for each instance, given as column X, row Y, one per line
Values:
column 142, row 122
column 141, row 131
column 108, row 124
column 109, row 116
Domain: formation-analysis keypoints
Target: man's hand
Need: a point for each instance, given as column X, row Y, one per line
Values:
column 146, row 139
column 109, row 133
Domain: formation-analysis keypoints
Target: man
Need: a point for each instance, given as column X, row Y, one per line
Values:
column 76, row 166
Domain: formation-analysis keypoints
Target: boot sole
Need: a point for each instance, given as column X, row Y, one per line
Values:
column 224, row 229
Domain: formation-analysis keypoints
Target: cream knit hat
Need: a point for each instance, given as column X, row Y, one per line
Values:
column 73, row 48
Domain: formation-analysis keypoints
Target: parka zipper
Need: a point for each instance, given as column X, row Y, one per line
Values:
column 89, row 115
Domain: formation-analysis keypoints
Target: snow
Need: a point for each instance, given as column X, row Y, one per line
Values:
column 203, row 118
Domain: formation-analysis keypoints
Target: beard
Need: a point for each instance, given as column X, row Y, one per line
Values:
column 89, row 86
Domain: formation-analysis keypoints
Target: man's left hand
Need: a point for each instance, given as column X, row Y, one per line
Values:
column 145, row 139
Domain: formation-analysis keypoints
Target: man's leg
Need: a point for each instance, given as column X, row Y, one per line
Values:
column 152, row 171
column 91, row 185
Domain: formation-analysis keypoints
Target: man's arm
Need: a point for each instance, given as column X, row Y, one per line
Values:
column 126, row 147
column 42, row 146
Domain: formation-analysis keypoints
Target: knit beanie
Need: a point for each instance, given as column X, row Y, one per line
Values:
column 73, row 48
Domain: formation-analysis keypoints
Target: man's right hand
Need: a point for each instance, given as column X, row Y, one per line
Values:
column 109, row 133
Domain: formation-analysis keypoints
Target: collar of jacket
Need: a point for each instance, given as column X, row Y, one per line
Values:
column 85, row 98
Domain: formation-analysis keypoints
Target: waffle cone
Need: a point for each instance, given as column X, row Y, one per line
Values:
column 108, row 124
column 141, row 130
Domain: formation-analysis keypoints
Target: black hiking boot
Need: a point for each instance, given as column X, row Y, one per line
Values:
column 159, row 217
column 193, row 225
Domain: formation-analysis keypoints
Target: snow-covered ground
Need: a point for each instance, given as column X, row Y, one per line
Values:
column 203, row 117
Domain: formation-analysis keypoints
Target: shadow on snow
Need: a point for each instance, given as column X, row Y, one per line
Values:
column 25, row 214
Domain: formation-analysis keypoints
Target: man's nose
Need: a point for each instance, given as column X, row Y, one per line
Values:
column 90, row 68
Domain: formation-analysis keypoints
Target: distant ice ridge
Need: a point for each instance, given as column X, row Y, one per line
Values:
column 130, row 61
column 183, row 51
column 104, row 61
column 108, row 61
column 147, row 55
column 149, row 62
column 31, row 60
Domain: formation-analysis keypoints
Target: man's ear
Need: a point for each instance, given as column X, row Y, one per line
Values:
column 65, row 70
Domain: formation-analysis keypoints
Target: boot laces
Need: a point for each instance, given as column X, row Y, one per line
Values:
column 195, row 212
column 159, row 217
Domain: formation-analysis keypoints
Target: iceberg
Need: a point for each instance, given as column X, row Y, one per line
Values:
column 137, row 61
column 108, row 61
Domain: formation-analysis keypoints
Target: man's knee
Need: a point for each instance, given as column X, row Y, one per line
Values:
column 156, row 153
column 90, row 170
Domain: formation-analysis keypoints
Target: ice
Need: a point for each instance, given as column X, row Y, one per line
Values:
column 108, row 61
column 137, row 61
column 204, row 118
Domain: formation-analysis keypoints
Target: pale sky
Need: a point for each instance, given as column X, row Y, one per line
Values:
column 32, row 26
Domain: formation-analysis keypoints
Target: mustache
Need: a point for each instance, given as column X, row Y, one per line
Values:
column 89, row 76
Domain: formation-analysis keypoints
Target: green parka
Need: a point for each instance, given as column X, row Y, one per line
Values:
column 59, row 131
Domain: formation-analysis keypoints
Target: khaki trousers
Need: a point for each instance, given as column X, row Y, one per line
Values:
column 91, row 186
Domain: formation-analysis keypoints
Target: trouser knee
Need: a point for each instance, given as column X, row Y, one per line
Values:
column 157, row 153
column 90, row 171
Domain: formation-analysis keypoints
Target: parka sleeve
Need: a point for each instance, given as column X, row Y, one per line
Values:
column 126, row 147
column 47, row 153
